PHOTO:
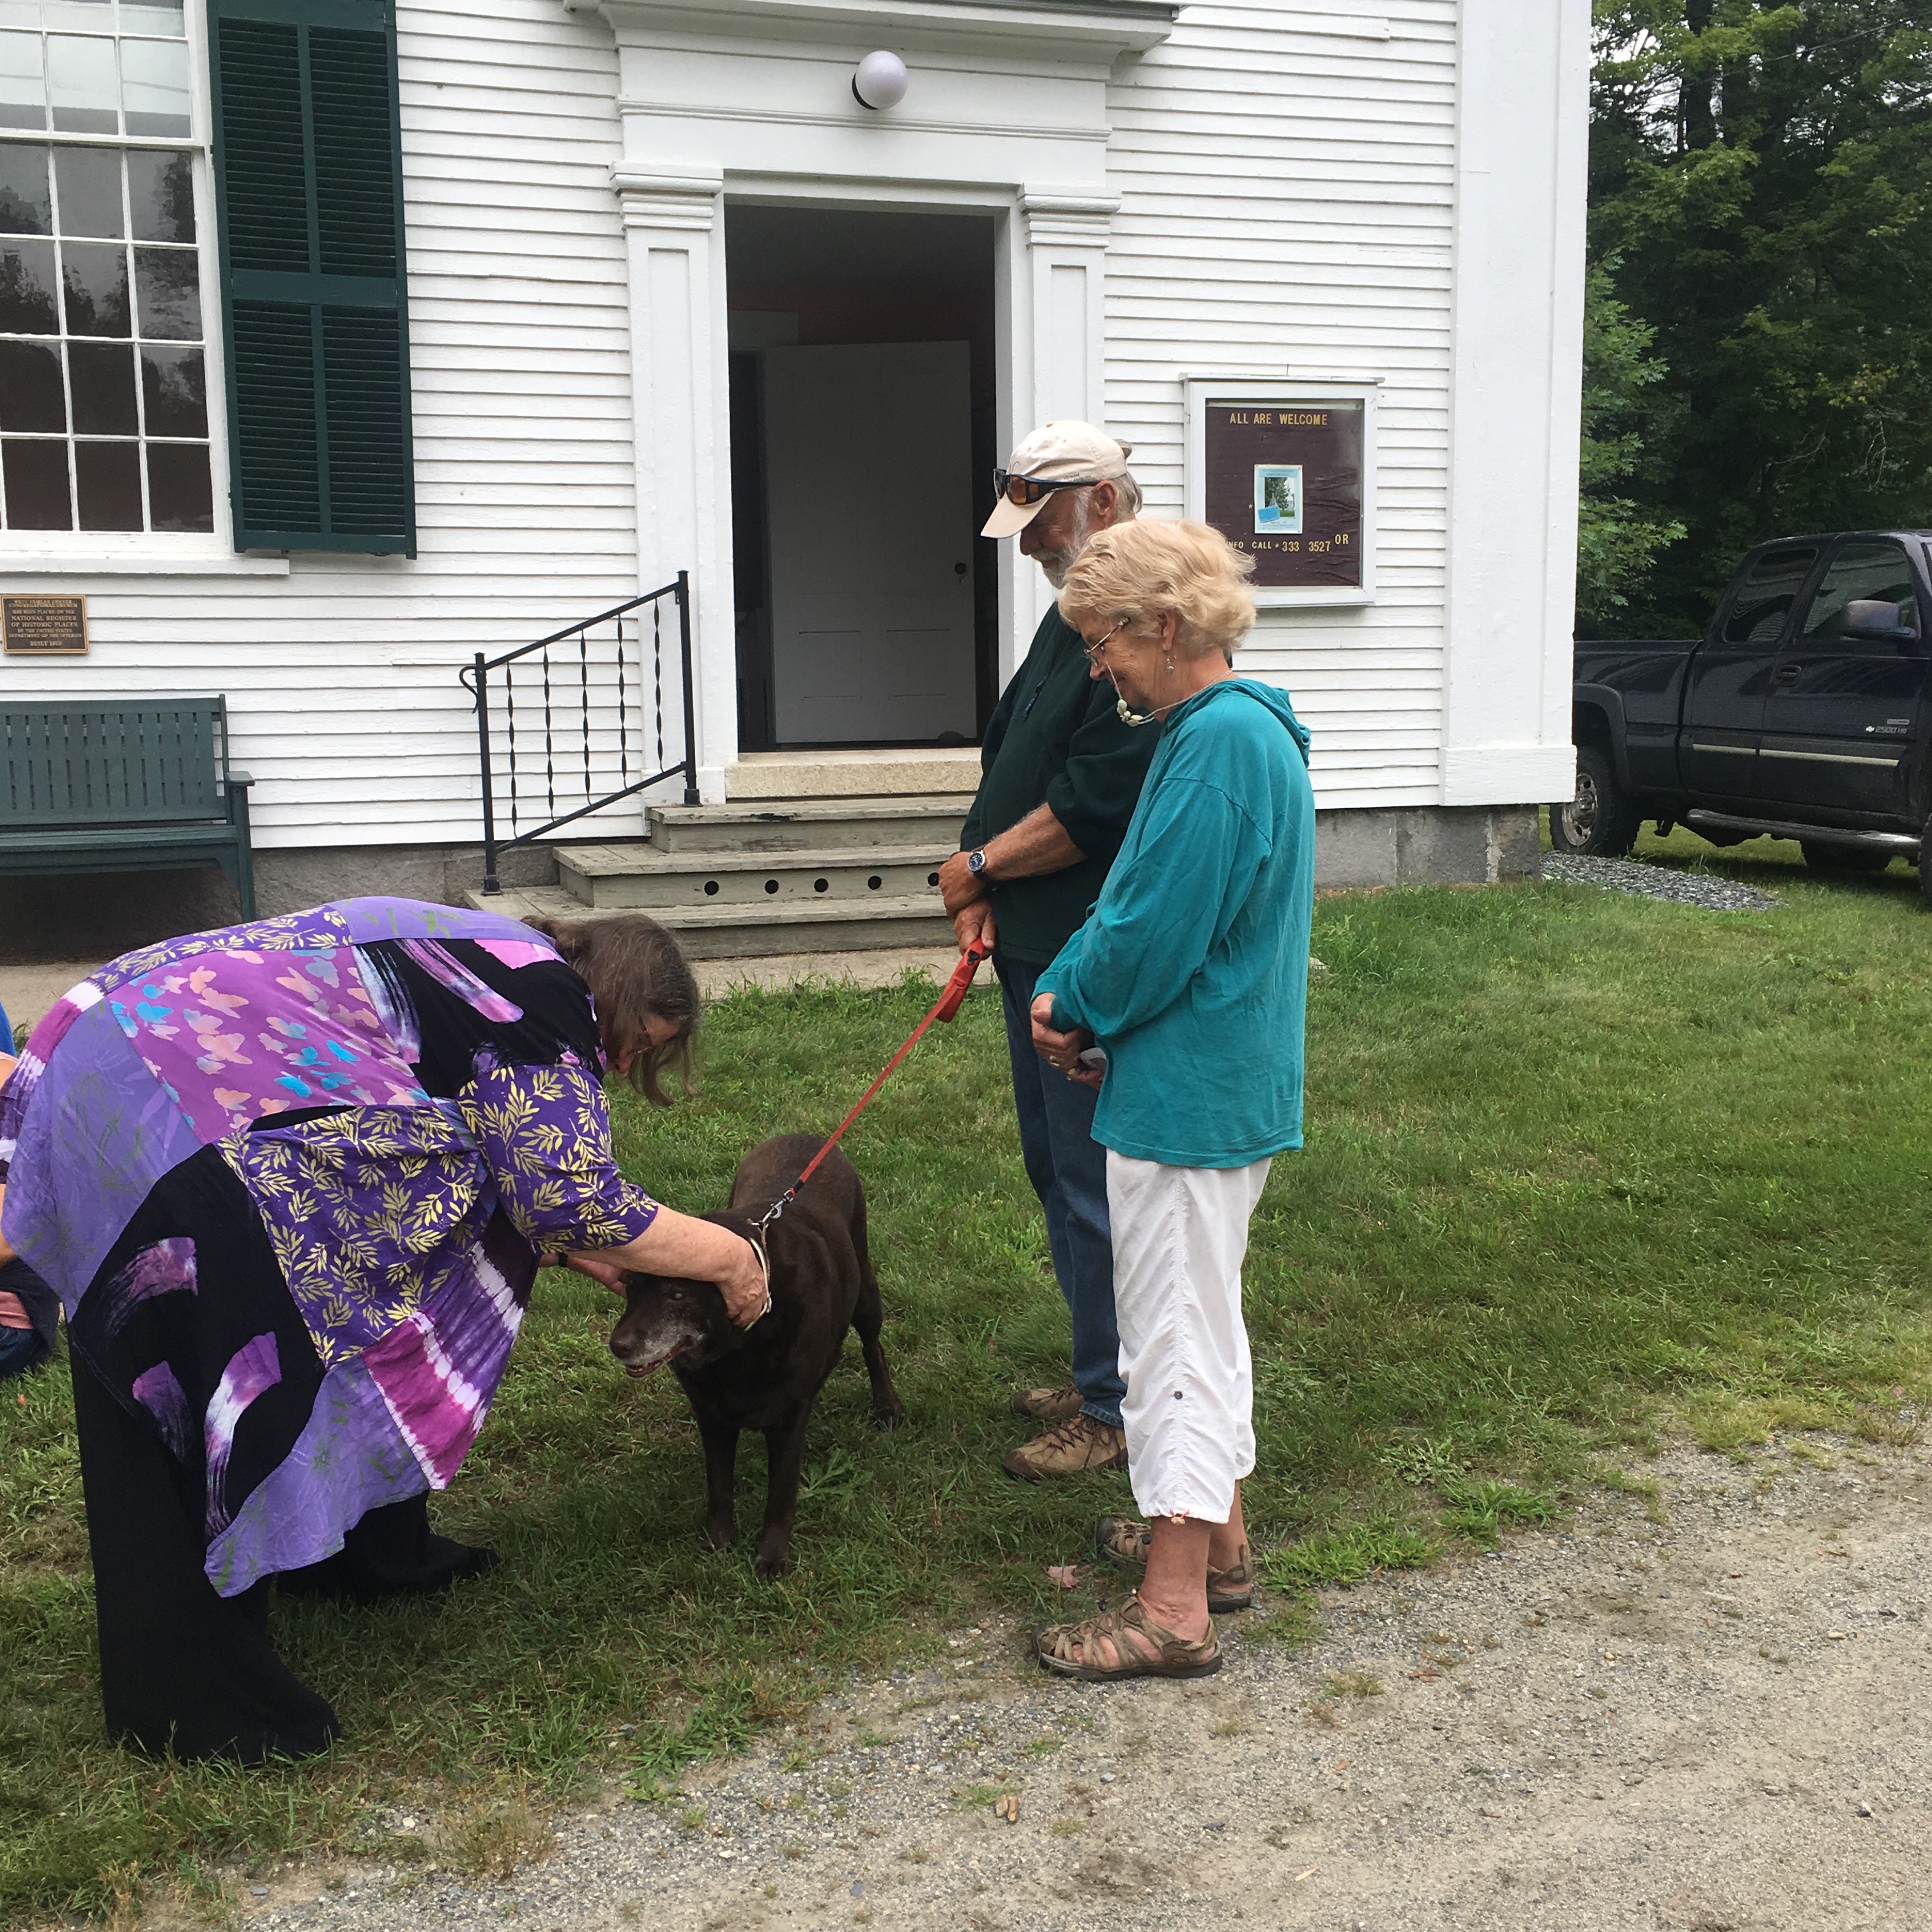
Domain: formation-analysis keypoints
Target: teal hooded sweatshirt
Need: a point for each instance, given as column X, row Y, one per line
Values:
column 1191, row 970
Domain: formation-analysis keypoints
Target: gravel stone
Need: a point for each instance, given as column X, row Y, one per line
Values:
column 1656, row 882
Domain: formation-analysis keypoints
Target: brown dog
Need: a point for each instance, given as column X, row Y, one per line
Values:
column 769, row 1375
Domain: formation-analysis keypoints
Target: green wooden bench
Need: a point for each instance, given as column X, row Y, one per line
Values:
column 124, row 785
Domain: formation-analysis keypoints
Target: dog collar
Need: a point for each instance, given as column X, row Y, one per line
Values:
column 764, row 1262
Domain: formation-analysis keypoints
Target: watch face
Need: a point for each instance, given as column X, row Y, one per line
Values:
column 976, row 861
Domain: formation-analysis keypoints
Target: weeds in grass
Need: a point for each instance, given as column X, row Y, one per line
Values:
column 1354, row 1684
column 1897, row 1432
column 490, row 1837
column 1478, row 1508
column 1348, row 1555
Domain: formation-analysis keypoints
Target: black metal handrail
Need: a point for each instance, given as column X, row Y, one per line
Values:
column 562, row 720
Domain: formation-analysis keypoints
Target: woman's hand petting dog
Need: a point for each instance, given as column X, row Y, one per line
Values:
column 680, row 1245
column 1062, row 1050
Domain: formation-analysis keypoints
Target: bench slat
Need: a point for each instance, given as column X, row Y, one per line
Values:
column 154, row 762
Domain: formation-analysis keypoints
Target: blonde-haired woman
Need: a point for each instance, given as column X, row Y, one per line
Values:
column 1191, row 975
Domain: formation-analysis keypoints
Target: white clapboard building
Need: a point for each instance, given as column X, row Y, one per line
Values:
column 344, row 343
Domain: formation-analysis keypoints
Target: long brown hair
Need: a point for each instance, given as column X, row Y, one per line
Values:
column 637, row 972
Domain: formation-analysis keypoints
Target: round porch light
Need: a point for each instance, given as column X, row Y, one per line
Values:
column 881, row 81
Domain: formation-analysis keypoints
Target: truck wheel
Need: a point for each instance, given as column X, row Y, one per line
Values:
column 1603, row 818
column 1823, row 858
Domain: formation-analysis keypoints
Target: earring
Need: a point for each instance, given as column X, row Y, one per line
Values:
column 1169, row 671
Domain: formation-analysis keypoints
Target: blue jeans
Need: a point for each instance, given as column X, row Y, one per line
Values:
column 1068, row 1168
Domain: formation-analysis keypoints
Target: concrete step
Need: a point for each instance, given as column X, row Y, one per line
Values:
column 742, row 932
column 862, row 825
column 921, row 771
column 613, row 877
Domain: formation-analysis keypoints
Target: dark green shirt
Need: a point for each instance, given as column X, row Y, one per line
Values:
column 1055, row 740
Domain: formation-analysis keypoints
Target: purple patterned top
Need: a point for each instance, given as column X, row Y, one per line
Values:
column 406, row 1222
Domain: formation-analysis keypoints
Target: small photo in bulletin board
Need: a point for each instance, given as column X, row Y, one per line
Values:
column 1286, row 479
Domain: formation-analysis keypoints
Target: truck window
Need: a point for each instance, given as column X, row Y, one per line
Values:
column 1858, row 574
column 1765, row 598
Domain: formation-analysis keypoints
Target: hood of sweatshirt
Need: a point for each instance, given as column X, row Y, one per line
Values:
column 1267, row 696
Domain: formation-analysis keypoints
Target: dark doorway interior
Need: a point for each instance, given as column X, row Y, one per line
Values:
column 822, row 277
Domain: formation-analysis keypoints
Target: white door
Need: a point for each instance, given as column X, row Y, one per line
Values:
column 868, row 487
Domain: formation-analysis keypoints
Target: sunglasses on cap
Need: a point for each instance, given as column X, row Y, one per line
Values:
column 1028, row 489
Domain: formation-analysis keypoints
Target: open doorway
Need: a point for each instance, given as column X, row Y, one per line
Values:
column 863, row 425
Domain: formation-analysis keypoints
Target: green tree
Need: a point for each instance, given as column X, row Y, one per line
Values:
column 1761, row 196
column 1617, row 542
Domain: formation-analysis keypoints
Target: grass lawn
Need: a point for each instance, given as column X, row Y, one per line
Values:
column 1581, row 1168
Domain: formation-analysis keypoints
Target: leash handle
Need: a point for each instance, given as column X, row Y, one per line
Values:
column 944, row 1008
column 960, row 984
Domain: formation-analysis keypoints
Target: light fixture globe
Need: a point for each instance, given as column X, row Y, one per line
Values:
column 881, row 81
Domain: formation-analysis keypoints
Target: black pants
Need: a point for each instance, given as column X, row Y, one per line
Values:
column 182, row 1669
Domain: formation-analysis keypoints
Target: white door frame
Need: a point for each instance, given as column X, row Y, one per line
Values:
column 1006, row 115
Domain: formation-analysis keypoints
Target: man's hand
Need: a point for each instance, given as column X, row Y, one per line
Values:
column 975, row 926
column 958, row 887
column 1062, row 1050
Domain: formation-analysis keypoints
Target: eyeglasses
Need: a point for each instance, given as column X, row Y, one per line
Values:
column 1095, row 652
column 1026, row 489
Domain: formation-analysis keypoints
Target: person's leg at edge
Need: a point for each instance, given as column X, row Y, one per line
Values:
column 182, row 1668
column 1183, row 1550
column 1180, row 1291
column 1068, row 1168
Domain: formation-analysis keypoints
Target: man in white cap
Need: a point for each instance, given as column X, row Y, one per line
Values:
column 1060, row 776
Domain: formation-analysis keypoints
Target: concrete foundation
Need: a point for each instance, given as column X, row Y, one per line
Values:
column 97, row 915
column 1427, row 845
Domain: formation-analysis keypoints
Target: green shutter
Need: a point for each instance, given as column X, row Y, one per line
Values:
column 309, row 189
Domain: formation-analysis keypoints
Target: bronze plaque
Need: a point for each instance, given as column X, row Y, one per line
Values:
column 1284, row 483
column 45, row 627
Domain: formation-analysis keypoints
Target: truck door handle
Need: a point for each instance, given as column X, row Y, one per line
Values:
column 1786, row 675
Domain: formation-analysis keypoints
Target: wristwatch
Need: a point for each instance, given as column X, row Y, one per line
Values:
column 976, row 861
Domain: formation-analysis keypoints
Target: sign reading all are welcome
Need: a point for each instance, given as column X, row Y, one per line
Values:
column 1283, row 482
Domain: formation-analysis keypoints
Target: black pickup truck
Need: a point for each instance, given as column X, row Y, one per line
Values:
column 1804, row 712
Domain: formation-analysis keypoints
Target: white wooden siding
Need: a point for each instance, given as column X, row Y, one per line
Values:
column 1286, row 180
column 340, row 678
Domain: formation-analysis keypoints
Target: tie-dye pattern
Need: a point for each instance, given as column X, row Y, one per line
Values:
column 402, row 1220
column 253, row 1370
column 163, row 1268
column 438, row 962
column 157, row 1391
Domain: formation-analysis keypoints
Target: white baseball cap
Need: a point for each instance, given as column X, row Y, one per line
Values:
column 1059, row 455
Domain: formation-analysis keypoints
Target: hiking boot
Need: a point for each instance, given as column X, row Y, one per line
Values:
column 1047, row 1404
column 1121, row 1541
column 1076, row 1446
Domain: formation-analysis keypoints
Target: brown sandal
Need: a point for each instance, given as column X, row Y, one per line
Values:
column 1121, row 1541
column 1142, row 1648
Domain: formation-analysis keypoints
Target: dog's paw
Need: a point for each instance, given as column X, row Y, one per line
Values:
column 769, row 1566
column 720, row 1534
column 889, row 1418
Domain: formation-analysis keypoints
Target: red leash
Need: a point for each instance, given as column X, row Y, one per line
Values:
column 944, row 1008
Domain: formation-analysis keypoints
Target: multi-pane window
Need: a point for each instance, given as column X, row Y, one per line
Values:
column 103, row 406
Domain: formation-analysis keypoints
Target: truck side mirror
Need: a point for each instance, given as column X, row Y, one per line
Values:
column 1875, row 620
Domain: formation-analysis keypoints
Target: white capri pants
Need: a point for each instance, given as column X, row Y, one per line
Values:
column 1180, row 1235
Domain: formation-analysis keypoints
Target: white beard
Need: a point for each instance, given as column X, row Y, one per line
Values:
column 1056, row 563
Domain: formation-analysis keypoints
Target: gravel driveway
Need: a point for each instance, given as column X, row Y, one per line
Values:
column 1718, row 1720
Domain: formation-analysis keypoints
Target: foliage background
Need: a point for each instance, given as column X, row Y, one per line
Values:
column 1759, row 350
